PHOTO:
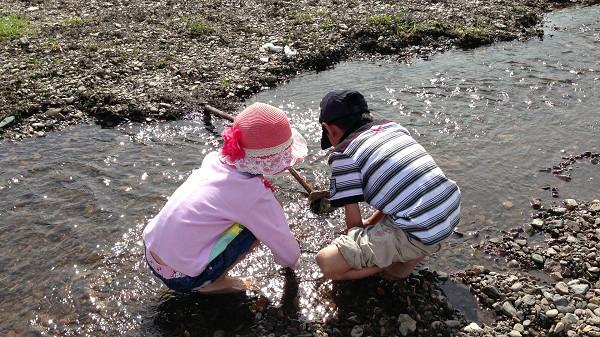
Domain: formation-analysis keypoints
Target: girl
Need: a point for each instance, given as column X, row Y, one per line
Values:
column 226, row 208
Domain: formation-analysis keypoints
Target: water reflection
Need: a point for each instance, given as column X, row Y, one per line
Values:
column 74, row 203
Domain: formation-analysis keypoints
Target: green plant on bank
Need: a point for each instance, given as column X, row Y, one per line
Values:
column 73, row 21
column 320, row 14
column 384, row 19
column 225, row 82
column 197, row 27
column 473, row 35
column 301, row 17
column 472, row 31
column 51, row 43
column 403, row 26
column 12, row 26
column 34, row 61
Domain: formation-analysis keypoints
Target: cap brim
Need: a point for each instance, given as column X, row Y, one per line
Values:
column 325, row 144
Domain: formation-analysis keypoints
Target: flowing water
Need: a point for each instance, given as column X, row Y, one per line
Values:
column 74, row 203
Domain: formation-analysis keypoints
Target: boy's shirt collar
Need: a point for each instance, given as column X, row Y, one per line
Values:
column 347, row 139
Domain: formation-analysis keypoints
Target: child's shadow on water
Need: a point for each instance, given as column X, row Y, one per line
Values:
column 196, row 314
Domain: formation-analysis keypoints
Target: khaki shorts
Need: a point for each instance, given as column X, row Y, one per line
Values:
column 381, row 245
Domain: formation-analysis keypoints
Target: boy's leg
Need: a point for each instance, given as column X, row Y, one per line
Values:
column 400, row 270
column 334, row 266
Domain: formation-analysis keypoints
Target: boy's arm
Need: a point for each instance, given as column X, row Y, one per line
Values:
column 353, row 216
column 374, row 218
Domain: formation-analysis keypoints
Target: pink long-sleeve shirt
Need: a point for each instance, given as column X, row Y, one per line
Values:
column 213, row 198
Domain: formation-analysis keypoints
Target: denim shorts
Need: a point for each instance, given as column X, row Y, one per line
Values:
column 240, row 245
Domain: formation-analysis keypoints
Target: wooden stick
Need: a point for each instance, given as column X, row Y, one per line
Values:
column 293, row 171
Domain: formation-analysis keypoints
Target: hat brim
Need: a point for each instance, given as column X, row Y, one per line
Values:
column 299, row 147
column 325, row 143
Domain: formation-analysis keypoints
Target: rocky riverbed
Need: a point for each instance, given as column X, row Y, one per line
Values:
column 112, row 61
column 551, row 289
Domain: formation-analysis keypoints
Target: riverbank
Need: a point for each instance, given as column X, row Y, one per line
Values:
column 111, row 62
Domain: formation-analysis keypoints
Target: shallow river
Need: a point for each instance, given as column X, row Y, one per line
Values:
column 73, row 204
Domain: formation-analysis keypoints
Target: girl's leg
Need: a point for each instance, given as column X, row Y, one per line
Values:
column 334, row 266
column 225, row 283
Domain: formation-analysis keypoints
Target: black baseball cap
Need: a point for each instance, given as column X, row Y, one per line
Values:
column 340, row 104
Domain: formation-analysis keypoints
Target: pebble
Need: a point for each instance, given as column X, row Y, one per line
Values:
column 357, row 331
column 509, row 309
column 452, row 324
column 6, row 121
column 570, row 204
column 562, row 288
column 528, row 300
column 473, row 327
column 519, row 327
column 513, row 263
column 539, row 223
column 516, row 286
column 407, row 324
column 570, row 319
column 556, row 276
column 514, row 333
column 580, row 289
column 552, row 313
column 537, row 258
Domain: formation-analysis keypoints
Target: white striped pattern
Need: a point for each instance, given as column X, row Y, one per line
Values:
column 388, row 169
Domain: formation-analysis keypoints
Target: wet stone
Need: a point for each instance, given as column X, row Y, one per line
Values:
column 537, row 258
column 580, row 289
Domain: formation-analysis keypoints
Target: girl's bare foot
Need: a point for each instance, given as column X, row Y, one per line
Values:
column 227, row 285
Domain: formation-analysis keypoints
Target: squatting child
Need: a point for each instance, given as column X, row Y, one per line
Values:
column 226, row 207
column 378, row 162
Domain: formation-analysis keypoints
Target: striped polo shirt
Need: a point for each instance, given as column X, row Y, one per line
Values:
column 381, row 164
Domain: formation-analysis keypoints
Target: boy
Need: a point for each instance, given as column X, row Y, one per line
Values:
column 378, row 162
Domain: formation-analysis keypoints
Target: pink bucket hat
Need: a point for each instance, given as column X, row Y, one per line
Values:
column 261, row 141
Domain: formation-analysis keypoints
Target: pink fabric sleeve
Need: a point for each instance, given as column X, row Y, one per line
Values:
column 266, row 220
